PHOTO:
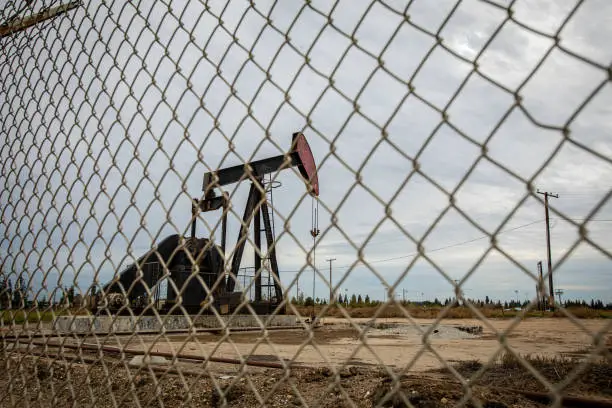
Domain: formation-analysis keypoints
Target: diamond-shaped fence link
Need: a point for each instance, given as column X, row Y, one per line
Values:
column 371, row 203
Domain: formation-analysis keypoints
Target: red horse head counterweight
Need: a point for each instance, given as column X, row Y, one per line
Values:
column 306, row 164
column 300, row 156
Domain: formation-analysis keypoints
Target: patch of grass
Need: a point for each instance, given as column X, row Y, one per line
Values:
column 585, row 313
column 8, row 317
column 509, row 371
column 468, row 367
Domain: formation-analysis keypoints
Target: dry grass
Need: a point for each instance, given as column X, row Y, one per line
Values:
column 585, row 313
column 8, row 317
column 391, row 310
column 509, row 371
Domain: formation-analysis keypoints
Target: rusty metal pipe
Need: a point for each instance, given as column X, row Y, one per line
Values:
column 117, row 350
column 90, row 360
column 213, row 330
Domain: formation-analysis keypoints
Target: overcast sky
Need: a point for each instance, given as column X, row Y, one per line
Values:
column 428, row 123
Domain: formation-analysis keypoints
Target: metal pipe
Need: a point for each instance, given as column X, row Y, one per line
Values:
column 117, row 350
column 195, row 206
column 257, row 249
column 213, row 330
column 91, row 360
column 170, row 355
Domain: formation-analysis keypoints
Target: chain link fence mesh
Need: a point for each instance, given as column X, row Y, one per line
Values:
column 430, row 124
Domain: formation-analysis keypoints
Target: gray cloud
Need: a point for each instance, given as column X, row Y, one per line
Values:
column 105, row 148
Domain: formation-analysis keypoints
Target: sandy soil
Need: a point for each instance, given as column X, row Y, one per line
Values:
column 401, row 344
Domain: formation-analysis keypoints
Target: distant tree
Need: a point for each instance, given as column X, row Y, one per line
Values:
column 353, row 300
column 487, row 301
column 309, row 301
column 293, row 300
column 367, row 300
column 5, row 293
column 19, row 293
column 71, row 294
column 317, row 301
column 359, row 300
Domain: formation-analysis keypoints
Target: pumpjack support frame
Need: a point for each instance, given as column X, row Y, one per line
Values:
column 196, row 267
column 256, row 210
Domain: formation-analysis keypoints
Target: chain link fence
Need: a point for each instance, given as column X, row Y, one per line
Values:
column 144, row 264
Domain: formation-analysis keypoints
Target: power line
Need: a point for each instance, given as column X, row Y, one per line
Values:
column 444, row 247
column 584, row 219
column 468, row 241
column 455, row 244
column 376, row 242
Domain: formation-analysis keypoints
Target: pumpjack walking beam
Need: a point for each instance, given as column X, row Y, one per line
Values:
column 299, row 156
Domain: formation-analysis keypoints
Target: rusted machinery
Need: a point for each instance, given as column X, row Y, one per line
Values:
column 195, row 269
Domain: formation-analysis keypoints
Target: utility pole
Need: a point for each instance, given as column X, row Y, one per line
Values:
column 457, row 290
column 551, row 300
column 517, row 297
column 559, row 292
column 331, row 285
column 540, row 287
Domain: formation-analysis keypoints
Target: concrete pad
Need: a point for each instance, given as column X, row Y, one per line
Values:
column 129, row 324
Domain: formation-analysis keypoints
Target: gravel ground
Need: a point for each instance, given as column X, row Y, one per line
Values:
column 104, row 380
column 38, row 382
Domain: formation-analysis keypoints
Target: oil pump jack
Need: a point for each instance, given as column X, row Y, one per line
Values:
column 210, row 284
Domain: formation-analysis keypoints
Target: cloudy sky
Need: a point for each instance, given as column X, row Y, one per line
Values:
column 432, row 123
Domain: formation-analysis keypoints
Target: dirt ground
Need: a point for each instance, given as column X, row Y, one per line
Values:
column 398, row 344
column 336, row 365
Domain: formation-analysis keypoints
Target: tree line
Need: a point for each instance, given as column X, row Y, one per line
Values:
column 357, row 300
column 19, row 296
column 353, row 301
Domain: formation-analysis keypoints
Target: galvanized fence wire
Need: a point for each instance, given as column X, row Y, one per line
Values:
column 105, row 105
